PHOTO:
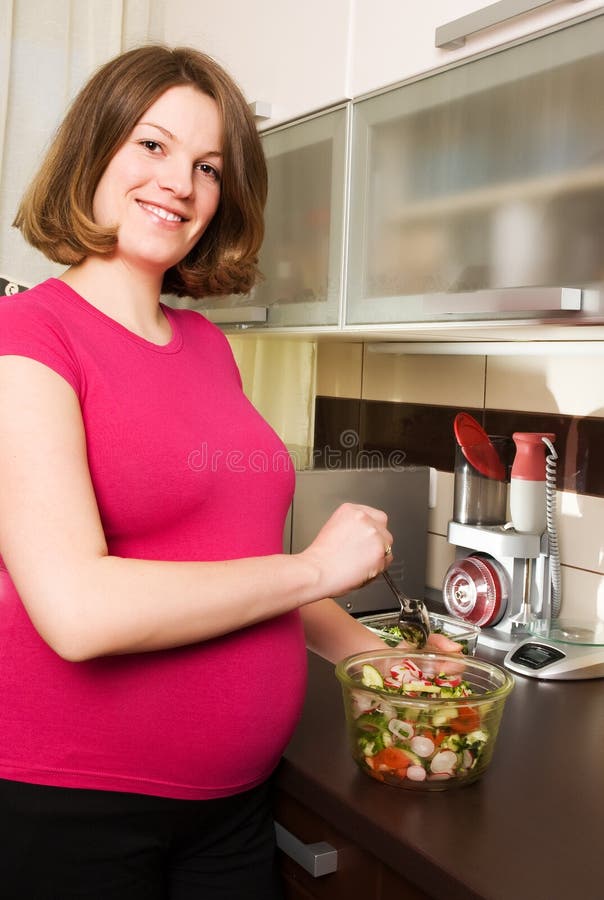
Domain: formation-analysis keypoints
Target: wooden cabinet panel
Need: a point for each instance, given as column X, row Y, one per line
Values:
column 359, row 876
column 392, row 885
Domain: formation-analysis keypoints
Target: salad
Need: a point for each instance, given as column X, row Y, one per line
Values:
column 403, row 744
column 396, row 635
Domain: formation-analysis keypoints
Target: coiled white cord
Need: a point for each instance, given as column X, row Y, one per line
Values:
column 552, row 532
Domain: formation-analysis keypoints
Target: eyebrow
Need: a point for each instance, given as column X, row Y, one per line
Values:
column 216, row 153
column 159, row 128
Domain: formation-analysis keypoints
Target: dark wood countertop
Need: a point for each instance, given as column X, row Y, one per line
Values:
column 531, row 829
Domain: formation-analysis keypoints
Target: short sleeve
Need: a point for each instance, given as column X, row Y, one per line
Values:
column 31, row 330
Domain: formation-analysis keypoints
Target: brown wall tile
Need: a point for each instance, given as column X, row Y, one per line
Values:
column 422, row 434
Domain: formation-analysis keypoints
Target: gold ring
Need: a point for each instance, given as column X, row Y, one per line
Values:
column 387, row 550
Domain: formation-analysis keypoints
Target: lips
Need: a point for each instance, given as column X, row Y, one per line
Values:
column 161, row 212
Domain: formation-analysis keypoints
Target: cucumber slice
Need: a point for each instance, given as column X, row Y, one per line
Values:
column 413, row 757
column 420, row 688
column 371, row 677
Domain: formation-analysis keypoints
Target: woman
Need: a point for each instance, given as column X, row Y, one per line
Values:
column 152, row 637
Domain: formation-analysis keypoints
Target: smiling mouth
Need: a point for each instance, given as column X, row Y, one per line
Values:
column 162, row 213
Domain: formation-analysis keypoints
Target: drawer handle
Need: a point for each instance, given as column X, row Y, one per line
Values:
column 316, row 859
column 453, row 34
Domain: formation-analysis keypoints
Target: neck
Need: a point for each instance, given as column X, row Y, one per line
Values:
column 130, row 297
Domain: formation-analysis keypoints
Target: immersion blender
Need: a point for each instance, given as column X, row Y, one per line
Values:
column 528, row 503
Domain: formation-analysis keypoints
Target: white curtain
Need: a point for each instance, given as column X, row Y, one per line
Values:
column 278, row 377
column 47, row 51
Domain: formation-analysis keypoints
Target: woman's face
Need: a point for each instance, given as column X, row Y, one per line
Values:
column 162, row 187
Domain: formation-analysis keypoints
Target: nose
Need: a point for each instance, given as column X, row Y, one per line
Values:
column 176, row 176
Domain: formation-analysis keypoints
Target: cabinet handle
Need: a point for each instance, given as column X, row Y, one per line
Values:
column 316, row 859
column 261, row 109
column 453, row 34
column 237, row 315
column 496, row 302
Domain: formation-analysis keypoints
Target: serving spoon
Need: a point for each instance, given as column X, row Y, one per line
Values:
column 413, row 620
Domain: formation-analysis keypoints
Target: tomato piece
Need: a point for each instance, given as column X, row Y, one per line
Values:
column 391, row 758
column 467, row 720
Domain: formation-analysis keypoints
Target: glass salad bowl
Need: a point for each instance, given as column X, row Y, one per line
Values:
column 385, row 626
column 419, row 720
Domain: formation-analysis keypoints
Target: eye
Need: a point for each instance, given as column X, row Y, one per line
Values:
column 210, row 171
column 152, row 146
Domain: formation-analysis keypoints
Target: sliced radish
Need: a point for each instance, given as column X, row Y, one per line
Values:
column 401, row 729
column 411, row 667
column 387, row 709
column 448, row 680
column 362, row 702
column 406, row 666
column 416, row 773
column 403, row 673
column 423, row 746
column 444, row 762
column 440, row 776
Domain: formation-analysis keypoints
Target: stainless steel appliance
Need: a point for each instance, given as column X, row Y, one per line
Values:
column 506, row 577
column 491, row 581
column 403, row 493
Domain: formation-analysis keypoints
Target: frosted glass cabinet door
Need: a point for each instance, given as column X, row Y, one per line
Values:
column 302, row 254
column 301, row 257
column 481, row 178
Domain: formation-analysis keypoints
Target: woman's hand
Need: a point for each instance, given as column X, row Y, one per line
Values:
column 352, row 548
column 440, row 643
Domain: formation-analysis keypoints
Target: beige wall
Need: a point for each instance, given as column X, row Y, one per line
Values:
column 279, row 379
column 570, row 384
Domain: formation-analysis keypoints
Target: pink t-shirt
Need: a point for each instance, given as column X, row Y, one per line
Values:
column 184, row 468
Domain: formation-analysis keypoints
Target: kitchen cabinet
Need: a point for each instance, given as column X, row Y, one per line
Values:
column 391, row 43
column 473, row 193
column 300, row 58
column 291, row 56
column 480, row 179
column 303, row 249
column 359, row 875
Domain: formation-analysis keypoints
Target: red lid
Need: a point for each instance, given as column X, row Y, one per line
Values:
column 477, row 447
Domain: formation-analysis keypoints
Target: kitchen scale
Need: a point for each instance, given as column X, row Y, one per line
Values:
column 560, row 651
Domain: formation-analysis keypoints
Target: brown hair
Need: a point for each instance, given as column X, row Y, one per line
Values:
column 55, row 215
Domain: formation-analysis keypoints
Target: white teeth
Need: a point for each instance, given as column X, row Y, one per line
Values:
column 162, row 213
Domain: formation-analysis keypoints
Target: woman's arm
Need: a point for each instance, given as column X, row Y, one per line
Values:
column 333, row 634
column 86, row 603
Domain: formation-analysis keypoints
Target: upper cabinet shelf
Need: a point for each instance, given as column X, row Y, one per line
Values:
column 533, row 190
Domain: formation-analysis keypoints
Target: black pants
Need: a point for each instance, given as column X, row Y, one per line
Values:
column 59, row 844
